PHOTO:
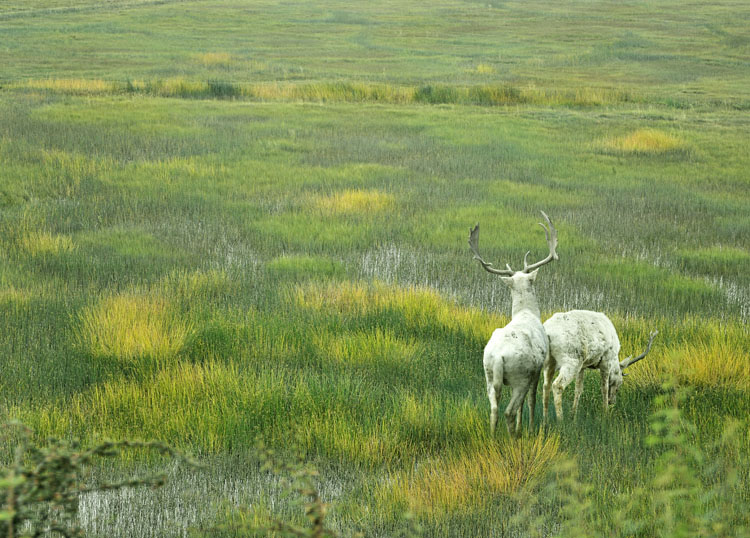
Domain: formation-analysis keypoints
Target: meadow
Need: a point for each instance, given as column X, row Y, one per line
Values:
column 225, row 223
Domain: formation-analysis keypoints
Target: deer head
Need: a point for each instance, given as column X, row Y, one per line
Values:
column 520, row 282
column 617, row 372
column 550, row 233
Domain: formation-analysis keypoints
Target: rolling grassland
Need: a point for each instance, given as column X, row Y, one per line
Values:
column 225, row 223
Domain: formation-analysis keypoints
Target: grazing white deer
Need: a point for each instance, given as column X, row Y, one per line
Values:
column 515, row 354
column 578, row 340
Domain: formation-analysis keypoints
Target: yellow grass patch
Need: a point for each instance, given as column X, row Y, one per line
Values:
column 78, row 86
column 180, row 86
column 693, row 351
column 713, row 364
column 649, row 141
column 198, row 404
column 45, row 243
column 193, row 285
column 12, row 295
column 340, row 441
column 485, row 69
column 337, row 91
column 171, row 87
column 367, row 347
column 451, row 485
column 136, row 329
column 354, row 201
column 422, row 417
column 214, row 59
column 421, row 308
column 330, row 91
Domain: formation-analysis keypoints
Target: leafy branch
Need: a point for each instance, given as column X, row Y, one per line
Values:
column 41, row 488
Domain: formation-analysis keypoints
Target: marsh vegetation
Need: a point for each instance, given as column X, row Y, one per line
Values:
column 221, row 223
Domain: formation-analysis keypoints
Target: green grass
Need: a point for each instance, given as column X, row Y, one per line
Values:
column 210, row 234
column 696, row 57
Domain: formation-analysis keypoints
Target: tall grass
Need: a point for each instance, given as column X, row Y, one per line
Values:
column 419, row 310
column 344, row 91
column 354, row 201
column 140, row 332
column 684, row 66
column 448, row 486
column 43, row 243
column 249, row 372
column 215, row 59
column 646, row 142
column 380, row 348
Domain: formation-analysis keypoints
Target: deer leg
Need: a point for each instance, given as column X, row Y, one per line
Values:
column 549, row 371
column 605, row 390
column 532, row 399
column 567, row 373
column 511, row 412
column 579, row 391
column 493, row 407
column 519, row 415
column 493, row 393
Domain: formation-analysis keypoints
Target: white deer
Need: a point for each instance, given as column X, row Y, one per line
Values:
column 578, row 340
column 515, row 354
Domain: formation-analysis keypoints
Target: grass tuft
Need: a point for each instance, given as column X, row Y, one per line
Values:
column 693, row 351
column 349, row 202
column 197, row 286
column 214, row 59
column 71, row 86
column 714, row 365
column 645, row 141
column 12, row 295
column 458, row 484
column 202, row 404
column 138, row 331
column 335, row 436
column 296, row 267
column 485, row 69
column 418, row 309
column 337, row 91
column 45, row 244
column 379, row 347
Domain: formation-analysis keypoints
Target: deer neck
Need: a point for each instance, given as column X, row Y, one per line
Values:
column 525, row 301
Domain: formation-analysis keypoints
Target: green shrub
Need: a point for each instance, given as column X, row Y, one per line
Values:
column 41, row 487
column 436, row 94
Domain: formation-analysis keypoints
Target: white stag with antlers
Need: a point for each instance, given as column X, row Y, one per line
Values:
column 515, row 353
column 578, row 340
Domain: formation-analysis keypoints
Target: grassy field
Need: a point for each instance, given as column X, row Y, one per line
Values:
column 224, row 221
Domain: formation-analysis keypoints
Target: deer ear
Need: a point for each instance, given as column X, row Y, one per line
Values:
column 508, row 280
column 532, row 275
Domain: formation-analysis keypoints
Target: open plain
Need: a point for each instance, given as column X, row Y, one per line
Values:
column 226, row 222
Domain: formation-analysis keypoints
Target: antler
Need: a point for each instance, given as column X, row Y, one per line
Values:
column 630, row 361
column 551, row 235
column 474, row 245
column 549, row 232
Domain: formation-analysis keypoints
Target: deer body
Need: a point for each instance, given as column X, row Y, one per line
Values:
column 515, row 354
column 578, row 340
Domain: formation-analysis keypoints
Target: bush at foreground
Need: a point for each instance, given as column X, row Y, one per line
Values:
column 41, row 487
